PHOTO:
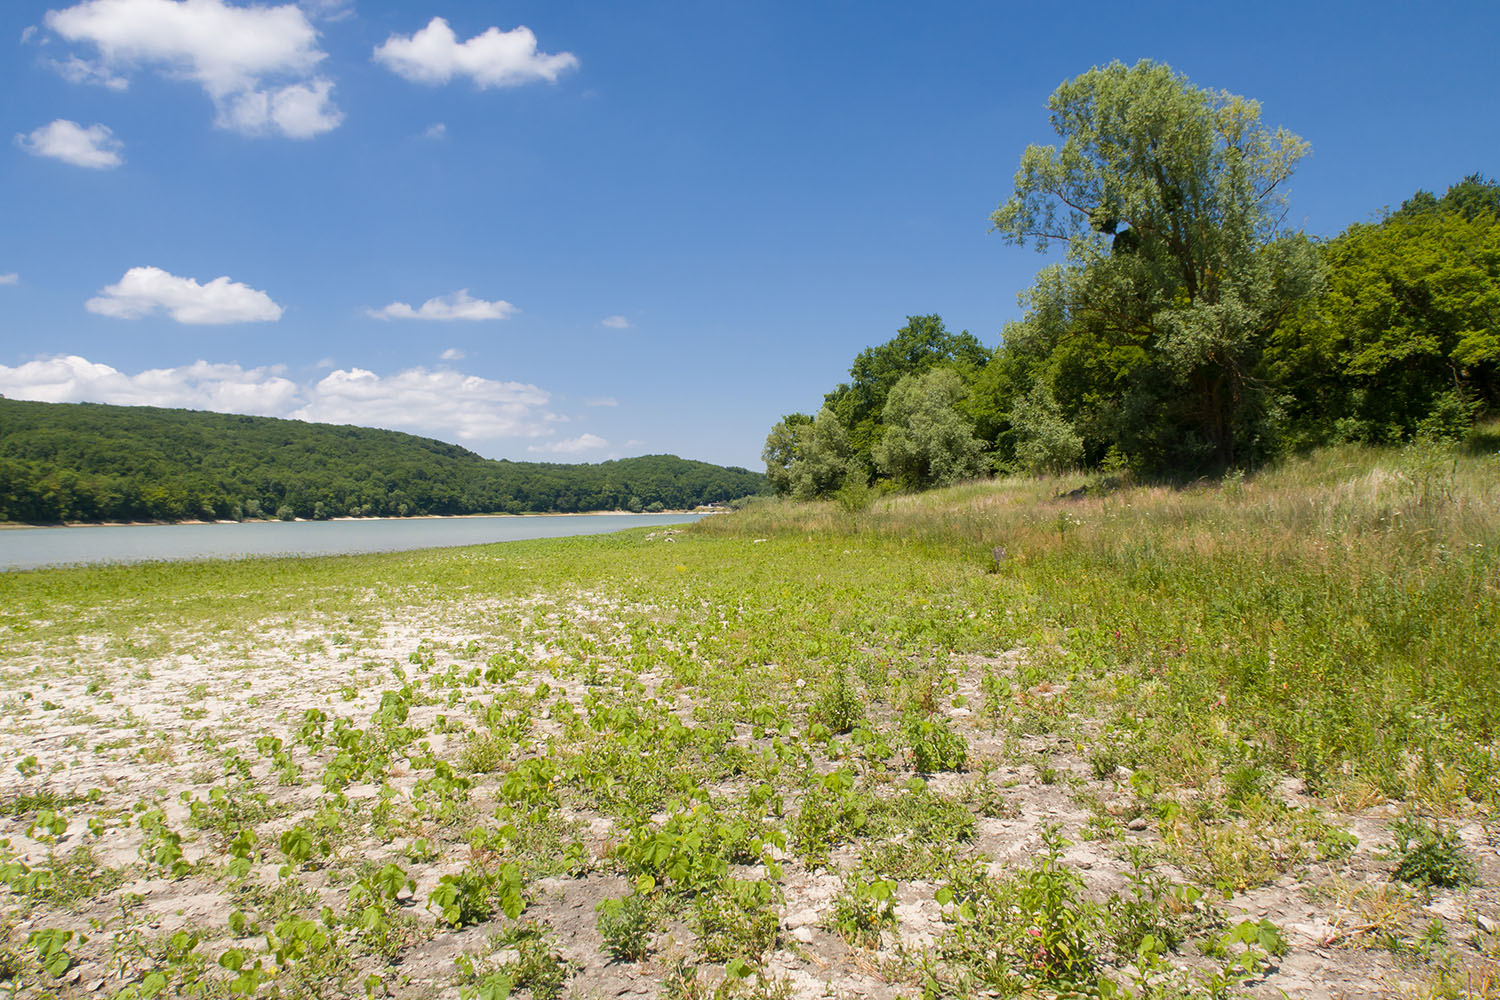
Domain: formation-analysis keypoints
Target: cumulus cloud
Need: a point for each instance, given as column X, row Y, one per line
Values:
column 452, row 354
column 571, row 446
column 434, row 402
column 227, row 388
column 459, row 305
column 10, row 279
column 299, row 110
column 496, row 58
column 615, row 322
column 443, row 404
column 437, row 130
column 95, row 147
column 257, row 63
column 146, row 290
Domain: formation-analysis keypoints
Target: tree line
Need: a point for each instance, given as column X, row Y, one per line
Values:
column 96, row 462
column 1185, row 329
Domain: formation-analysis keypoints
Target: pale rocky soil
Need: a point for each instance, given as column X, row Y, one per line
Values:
column 154, row 716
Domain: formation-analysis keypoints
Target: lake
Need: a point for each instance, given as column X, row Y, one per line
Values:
column 31, row 548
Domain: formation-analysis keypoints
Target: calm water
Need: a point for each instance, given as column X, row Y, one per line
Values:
column 29, row 548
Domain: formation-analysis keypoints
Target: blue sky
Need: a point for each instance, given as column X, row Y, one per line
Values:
column 631, row 228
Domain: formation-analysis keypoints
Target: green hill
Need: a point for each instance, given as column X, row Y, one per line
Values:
column 95, row 462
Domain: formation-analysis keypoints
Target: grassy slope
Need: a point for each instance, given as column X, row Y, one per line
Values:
column 1174, row 654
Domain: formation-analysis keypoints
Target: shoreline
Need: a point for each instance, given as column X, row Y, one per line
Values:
column 24, row 526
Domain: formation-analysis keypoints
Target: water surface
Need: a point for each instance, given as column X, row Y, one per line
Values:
column 30, row 548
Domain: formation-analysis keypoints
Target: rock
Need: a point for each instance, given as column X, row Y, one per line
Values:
column 1139, row 823
column 1485, row 924
column 1447, row 908
column 802, row 918
column 803, row 934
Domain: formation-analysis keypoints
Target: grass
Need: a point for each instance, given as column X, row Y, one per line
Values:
column 656, row 742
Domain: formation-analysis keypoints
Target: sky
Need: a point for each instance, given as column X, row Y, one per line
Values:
column 574, row 231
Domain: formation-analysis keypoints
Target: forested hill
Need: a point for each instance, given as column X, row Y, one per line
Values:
column 94, row 462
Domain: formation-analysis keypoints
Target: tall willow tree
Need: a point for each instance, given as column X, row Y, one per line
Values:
column 1168, row 200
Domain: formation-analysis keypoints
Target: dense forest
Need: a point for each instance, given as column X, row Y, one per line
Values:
column 1185, row 329
column 94, row 462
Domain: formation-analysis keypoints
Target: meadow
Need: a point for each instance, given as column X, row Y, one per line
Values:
column 1024, row 737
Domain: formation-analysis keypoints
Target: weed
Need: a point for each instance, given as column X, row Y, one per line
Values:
column 862, row 909
column 1428, row 854
column 626, row 925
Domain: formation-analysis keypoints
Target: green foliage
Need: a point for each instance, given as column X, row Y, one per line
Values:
column 862, row 909
column 1034, row 927
column 1044, row 440
column 810, row 458
column 1167, row 197
column 926, row 440
column 919, row 346
column 1428, row 854
column 475, row 893
column 935, row 746
column 1405, row 340
column 838, row 705
column 626, row 925
column 738, row 920
column 95, row 462
column 51, row 948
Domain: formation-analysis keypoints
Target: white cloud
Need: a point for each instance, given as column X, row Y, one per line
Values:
column 602, row 401
column 571, row 446
column 433, row 402
column 257, row 63
column 495, row 58
column 227, row 388
column 76, row 70
column 328, row 10
column 615, row 322
column 298, row 110
column 443, row 404
column 145, row 290
column 437, row 130
column 94, row 147
column 452, row 354
column 10, row 279
column 459, row 305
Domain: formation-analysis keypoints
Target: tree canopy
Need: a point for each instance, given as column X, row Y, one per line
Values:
column 92, row 462
column 1185, row 328
column 1168, row 199
column 922, row 344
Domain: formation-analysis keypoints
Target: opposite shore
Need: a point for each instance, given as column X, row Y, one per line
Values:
column 706, row 509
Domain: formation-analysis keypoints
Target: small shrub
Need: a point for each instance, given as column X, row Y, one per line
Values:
column 1428, row 855
column 739, row 920
column 936, row 747
column 862, row 910
column 838, row 707
column 625, row 925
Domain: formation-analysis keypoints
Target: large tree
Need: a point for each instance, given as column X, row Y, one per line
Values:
column 809, row 457
column 927, row 441
column 922, row 344
column 1168, row 199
